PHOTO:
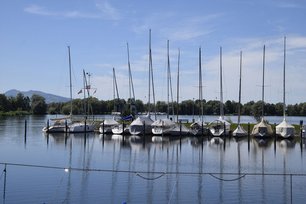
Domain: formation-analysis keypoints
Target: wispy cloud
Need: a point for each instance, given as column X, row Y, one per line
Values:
column 103, row 11
column 108, row 11
column 187, row 29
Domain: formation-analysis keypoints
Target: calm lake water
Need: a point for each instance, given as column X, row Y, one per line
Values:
column 93, row 168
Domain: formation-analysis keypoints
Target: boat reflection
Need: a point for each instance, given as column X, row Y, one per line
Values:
column 286, row 144
column 263, row 142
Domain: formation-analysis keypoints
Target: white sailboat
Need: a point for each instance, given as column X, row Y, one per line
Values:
column 199, row 127
column 142, row 124
column 167, row 126
column 108, row 124
column 239, row 131
column 122, row 128
column 220, row 126
column 284, row 129
column 60, row 125
column 84, row 125
column 262, row 129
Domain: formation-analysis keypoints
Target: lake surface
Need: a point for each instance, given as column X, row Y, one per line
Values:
column 93, row 168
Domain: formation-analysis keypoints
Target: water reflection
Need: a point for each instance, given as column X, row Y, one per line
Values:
column 135, row 164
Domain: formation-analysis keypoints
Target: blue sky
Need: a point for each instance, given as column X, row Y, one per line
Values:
column 34, row 36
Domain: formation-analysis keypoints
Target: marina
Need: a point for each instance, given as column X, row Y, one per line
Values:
column 106, row 168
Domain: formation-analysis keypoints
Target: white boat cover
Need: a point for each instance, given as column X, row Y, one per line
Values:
column 79, row 127
column 110, row 122
column 163, row 123
column 239, row 132
column 168, row 127
column 199, row 128
column 262, row 129
column 136, row 127
column 217, row 127
column 284, row 129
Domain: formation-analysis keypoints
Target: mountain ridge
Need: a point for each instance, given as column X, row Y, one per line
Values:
column 50, row 98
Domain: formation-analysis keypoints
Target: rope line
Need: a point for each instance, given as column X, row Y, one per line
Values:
column 162, row 173
column 148, row 178
column 222, row 179
column 2, row 174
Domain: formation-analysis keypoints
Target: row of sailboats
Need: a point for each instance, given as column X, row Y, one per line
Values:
column 71, row 124
column 284, row 129
column 145, row 125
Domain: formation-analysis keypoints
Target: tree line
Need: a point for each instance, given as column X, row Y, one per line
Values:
column 37, row 105
column 21, row 105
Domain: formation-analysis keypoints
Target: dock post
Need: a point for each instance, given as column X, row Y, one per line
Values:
column 180, row 132
column 274, row 132
column 85, row 126
column 202, row 128
column 123, row 128
column 103, row 127
column 25, row 131
column 66, row 126
column 301, row 129
column 249, row 129
column 144, row 128
column 47, row 125
column 144, row 134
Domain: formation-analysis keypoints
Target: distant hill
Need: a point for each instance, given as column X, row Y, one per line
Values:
column 49, row 97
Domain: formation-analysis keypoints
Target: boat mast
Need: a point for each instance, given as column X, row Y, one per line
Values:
column 239, row 106
column 131, row 86
column 263, row 80
column 70, row 86
column 151, row 77
column 168, row 79
column 116, row 93
column 149, row 95
column 200, row 83
column 284, row 81
column 221, row 88
column 169, row 84
column 178, row 84
column 85, row 89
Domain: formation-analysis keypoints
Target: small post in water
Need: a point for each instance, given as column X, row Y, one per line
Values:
column 249, row 129
column 25, row 131
column 47, row 126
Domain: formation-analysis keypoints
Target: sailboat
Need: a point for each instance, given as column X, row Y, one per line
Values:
column 84, row 125
column 60, row 125
column 199, row 127
column 262, row 129
column 220, row 126
column 167, row 126
column 121, row 128
column 142, row 124
column 108, row 124
column 239, row 131
column 284, row 129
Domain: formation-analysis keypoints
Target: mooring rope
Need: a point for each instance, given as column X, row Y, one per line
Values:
column 148, row 178
column 3, row 172
column 222, row 179
column 140, row 173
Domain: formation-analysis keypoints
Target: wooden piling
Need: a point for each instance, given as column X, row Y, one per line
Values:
column 66, row 126
column 47, row 125
column 249, row 130
column 103, row 127
column 25, row 131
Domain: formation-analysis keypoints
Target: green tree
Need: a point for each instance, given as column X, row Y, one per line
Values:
column 4, row 103
column 38, row 105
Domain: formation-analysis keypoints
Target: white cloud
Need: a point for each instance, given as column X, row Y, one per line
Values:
column 108, row 11
column 104, row 11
